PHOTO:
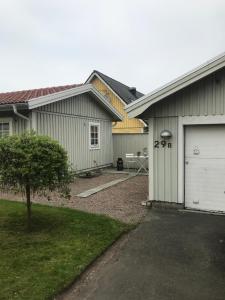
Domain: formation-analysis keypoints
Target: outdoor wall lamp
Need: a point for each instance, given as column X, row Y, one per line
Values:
column 165, row 134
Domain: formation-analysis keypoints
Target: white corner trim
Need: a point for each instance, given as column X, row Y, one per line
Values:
column 151, row 159
column 185, row 121
column 180, row 171
column 176, row 85
column 98, row 147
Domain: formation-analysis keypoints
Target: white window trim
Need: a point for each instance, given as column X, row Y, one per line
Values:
column 10, row 121
column 185, row 121
column 91, row 147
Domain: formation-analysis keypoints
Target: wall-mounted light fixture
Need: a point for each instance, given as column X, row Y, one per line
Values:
column 166, row 134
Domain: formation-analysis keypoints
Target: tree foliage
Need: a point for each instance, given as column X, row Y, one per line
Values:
column 32, row 163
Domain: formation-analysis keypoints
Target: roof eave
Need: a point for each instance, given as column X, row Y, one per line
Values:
column 87, row 88
column 137, row 107
column 8, row 106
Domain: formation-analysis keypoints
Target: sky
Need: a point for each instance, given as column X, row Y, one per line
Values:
column 142, row 43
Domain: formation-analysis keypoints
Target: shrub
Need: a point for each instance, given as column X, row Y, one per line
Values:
column 31, row 163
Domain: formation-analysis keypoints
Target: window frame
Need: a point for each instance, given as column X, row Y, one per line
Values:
column 7, row 120
column 94, row 147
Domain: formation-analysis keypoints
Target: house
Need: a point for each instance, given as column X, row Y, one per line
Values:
column 78, row 116
column 187, row 138
column 119, row 95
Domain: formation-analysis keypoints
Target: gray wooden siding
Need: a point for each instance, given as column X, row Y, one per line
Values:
column 206, row 97
column 128, row 143
column 165, row 161
column 68, row 122
column 73, row 133
column 19, row 125
column 82, row 105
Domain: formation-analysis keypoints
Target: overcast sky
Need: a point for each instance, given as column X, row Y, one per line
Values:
column 142, row 43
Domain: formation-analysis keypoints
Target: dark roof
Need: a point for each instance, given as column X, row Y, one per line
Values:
column 122, row 90
column 26, row 95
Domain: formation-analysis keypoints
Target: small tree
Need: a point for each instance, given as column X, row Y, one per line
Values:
column 30, row 163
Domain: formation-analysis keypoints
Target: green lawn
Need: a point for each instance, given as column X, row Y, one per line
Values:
column 62, row 243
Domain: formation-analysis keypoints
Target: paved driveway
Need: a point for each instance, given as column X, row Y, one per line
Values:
column 171, row 255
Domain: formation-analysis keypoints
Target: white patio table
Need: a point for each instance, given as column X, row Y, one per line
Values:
column 140, row 161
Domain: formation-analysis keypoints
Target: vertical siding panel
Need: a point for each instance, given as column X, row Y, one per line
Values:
column 127, row 143
column 19, row 126
column 165, row 169
column 72, row 131
column 205, row 97
column 82, row 105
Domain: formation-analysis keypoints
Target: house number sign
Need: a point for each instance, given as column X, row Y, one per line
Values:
column 163, row 144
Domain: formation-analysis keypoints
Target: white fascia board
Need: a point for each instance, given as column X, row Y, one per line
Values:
column 87, row 88
column 7, row 107
column 99, row 77
column 44, row 100
column 139, row 106
column 107, row 105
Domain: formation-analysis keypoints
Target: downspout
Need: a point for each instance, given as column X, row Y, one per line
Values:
column 18, row 114
column 21, row 116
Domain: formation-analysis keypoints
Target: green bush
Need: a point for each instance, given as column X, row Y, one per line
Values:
column 30, row 163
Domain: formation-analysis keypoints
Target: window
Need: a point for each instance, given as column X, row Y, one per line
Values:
column 4, row 128
column 94, row 135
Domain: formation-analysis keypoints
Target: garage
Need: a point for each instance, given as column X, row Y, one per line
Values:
column 205, row 167
column 186, row 140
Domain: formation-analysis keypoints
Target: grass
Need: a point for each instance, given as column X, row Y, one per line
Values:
column 62, row 242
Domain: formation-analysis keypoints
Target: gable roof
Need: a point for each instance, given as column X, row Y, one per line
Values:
column 122, row 90
column 26, row 95
column 137, row 107
column 31, row 99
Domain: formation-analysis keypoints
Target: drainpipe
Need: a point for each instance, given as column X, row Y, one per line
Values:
column 18, row 114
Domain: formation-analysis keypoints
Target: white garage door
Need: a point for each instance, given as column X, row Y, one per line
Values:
column 205, row 167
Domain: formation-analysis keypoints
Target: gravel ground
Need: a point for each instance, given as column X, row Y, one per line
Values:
column 121, row 201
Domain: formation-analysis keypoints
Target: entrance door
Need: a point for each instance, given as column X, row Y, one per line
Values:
column 205, row 167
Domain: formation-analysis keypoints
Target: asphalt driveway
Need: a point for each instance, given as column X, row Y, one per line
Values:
column 171, row 255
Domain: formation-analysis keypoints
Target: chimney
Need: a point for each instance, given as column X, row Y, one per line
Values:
column 133, row 90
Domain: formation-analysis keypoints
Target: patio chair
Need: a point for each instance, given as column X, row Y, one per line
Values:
column 130, row 160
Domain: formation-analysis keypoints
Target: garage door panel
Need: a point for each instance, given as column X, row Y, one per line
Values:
column 205, row 168
column 209, row 140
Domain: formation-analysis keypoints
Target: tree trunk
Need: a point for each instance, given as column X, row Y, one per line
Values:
column 28, row 206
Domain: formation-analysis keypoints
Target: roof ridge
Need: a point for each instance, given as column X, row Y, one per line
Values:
column 127, row 86
column 124, row 91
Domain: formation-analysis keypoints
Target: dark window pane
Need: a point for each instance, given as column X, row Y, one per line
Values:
column 5, row 126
